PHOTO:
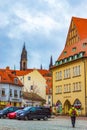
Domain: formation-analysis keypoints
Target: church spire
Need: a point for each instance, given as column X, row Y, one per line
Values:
column 23, row 61
column 41, row 67
column 24, row 47
column 51, row 62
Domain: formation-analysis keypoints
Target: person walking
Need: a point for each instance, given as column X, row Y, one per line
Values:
column 73, row 113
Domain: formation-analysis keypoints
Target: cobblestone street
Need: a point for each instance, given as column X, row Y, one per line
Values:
column 59, row 123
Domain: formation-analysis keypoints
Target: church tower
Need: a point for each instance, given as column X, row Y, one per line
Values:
column 51, row 62
column 23, row 61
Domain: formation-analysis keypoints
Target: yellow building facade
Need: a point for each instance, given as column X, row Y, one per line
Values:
column 70, row 71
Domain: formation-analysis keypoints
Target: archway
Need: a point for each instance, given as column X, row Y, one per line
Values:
column 67, row 106
column 77, row 104
column 59, row 107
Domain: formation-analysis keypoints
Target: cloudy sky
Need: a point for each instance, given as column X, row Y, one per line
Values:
column 43, row 26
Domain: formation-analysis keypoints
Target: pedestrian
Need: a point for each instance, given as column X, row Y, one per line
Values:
column 73, row 113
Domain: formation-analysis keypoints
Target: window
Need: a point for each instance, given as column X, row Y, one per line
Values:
column 15, row 93
column 59, row 75
column 70, row 58
column 81, row 54
column 65, row 52
column 20, row 94
column 61, row 62
column 67, row 88
column 65, row 60
column 75, row 57
column 77, row 104
column 10, row 92
column 77, row 86
column 16, row 80
column 74, row 49
column 57, row 63
column 29, row 78
column 33, row 109
column 67, row 73
column 84, row 44
column 31, row 88
column 3, row 91
column 49, row 102
column 49, row 97
column 59, row 89
column 76, row 70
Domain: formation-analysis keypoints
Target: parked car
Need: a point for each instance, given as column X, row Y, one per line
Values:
column 35, row 113
column 5, row 111
column 12, row 115
column 25, row 110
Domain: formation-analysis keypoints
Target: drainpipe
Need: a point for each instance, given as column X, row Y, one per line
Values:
column 85, row 87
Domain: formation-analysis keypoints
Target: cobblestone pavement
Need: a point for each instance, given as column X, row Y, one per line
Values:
column 57, row 123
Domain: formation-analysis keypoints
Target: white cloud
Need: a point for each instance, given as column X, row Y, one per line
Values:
column 3, row 20
column 39, row 23
column 48, row 19
column 28, row 21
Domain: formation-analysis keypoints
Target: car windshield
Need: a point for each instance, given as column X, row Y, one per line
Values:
column 26, row 108
column 5, row 108
column 17, row 110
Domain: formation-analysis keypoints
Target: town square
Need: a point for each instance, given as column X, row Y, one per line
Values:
column 43, row 65
column 58, row 123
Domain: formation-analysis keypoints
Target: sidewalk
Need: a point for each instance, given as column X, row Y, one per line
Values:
column 67, row 117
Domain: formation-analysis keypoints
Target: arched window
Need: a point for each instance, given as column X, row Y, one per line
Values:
column 77, row 104
column 59, row 107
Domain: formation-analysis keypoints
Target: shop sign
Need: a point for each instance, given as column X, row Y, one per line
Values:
column 3, row 103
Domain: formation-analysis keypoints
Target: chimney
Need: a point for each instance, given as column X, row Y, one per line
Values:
column 7, row 68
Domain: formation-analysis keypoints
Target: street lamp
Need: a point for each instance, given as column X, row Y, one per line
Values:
column 31, row 94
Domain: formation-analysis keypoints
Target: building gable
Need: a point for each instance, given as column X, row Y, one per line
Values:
column 76, row 42
column 73, row 34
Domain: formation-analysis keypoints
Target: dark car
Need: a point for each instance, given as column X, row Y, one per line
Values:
column 35, row 113
column 5, row 111
column 24, row 111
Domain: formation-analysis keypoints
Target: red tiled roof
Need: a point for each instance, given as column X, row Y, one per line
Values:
column 79, row 48
column 8, row 78
column 81, row 25
column 22, row 72
column 43, row 72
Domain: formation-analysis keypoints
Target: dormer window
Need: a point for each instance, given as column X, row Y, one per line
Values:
column 75, row 57
column 16, row 80
column 57, row 63
column 65, row 52
column 70, row 58
column 65, row 60
column 81, row 54
column 74, row 49
column 61, row 62
column 84, row 44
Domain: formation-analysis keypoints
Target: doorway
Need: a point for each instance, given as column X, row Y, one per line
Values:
column 67, row 106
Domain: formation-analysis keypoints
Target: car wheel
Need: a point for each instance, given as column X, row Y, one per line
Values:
column 45, row 118
column 4, row 116
column 38, row 119
column 26, row 118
